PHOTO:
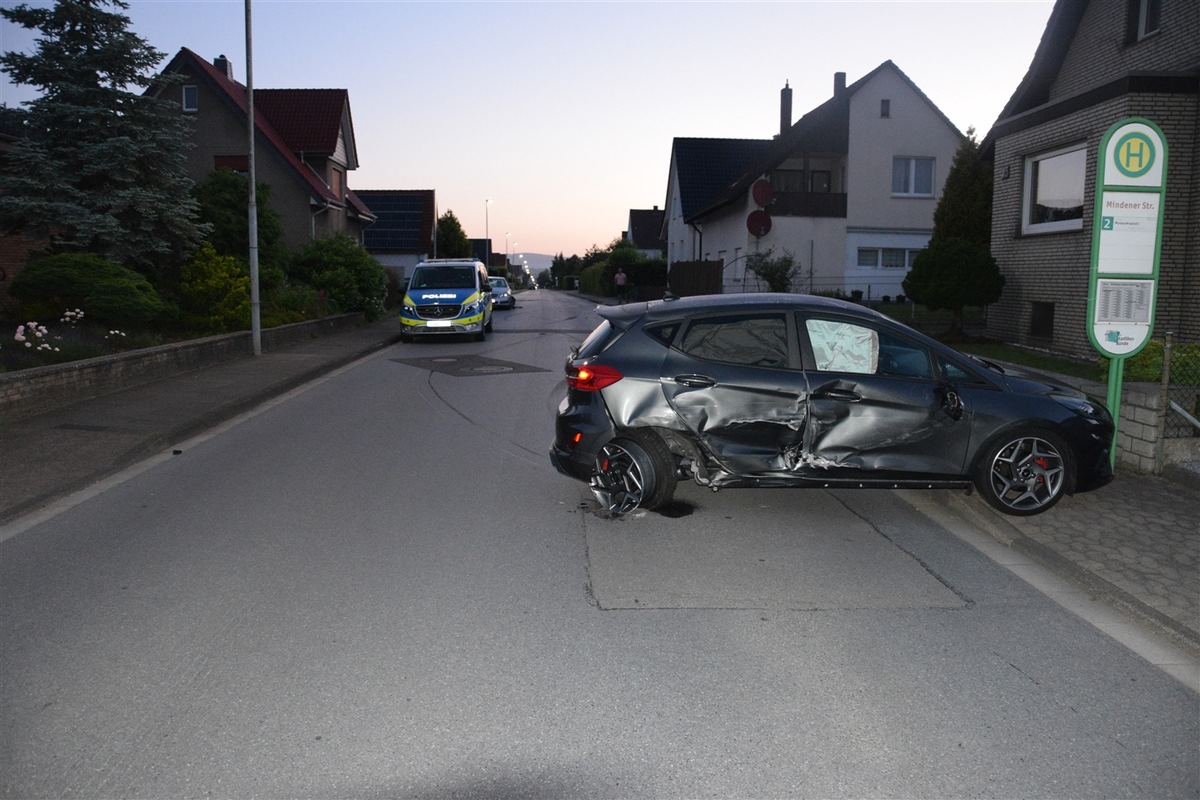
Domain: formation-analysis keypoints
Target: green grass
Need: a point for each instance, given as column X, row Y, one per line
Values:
column 1034, row 359
column 937, row 323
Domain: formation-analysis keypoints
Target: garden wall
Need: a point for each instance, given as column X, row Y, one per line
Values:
column 28, row 392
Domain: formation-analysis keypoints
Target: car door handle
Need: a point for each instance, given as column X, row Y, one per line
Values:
column 695, row 381
column 840, row 394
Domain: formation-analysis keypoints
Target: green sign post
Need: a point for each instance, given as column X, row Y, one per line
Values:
column 1131, row 184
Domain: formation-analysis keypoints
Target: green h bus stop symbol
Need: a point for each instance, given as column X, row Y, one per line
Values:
column 1131, row 185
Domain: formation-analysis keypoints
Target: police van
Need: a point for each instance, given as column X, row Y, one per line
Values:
column 447, row 295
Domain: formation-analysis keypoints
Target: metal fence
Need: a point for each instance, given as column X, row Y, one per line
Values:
column 1181, row 388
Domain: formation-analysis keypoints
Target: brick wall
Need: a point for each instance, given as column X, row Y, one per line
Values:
column 1055, row 267
column 28, row 392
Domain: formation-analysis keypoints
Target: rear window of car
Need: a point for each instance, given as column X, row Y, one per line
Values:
column 597, row 340
column 664, row 332
column 757, row 340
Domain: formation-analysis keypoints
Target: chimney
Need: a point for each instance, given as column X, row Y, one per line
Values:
column 222, row 64
column 785, row 108
column 839, row 83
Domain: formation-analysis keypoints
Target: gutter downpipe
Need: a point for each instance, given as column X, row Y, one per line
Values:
column 313, row 219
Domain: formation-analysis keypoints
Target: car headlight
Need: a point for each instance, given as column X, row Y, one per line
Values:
column 1083, row 406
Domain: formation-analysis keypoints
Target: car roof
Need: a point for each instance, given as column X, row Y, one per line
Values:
column 624, row 315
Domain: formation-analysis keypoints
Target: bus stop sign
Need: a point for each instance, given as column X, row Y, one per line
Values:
column 1131, row 170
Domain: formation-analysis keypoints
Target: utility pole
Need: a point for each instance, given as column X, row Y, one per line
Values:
column 255, row 315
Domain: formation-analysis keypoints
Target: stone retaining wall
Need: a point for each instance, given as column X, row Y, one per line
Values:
column 1140, row 443
column 28, row 392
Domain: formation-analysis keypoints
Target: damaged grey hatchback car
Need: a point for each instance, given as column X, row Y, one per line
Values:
column 784, row 390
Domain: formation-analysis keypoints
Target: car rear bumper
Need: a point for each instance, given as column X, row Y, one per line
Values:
column 580, row 431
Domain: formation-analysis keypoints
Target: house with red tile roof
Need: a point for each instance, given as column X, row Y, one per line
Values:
column 304, row 145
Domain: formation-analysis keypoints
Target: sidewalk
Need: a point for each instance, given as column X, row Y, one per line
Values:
column 1134, row 544
column 52, row 455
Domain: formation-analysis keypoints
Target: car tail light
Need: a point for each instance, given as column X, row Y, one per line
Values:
column 592, row 378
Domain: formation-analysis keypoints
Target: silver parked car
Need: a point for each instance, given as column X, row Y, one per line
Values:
column 502, row 296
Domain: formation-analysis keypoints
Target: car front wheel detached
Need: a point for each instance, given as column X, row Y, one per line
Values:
column 1024, row 474
column 633, row 472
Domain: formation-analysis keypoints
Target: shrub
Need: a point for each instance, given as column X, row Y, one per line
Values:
column 350, row 278
column 214, row 293
column 592, row 281
column 1147, row 365
column 112, row 294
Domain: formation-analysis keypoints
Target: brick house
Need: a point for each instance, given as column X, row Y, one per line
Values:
column 1099, row 62
column 849, row 189
column 304, row 145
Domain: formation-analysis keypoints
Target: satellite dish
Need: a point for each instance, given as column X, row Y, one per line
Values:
column 762, row 192
column 759, row 223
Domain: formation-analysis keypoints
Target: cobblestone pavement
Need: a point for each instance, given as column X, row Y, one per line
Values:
column 1136, row 542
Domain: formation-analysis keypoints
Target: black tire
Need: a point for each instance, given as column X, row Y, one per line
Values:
column 634, row 471
column 1025, row 472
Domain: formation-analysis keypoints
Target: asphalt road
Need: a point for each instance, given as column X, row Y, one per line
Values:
column 377, row 586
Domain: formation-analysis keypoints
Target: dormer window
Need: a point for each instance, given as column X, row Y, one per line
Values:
column 191, row 99
column 1149, row 17
column 1145, row 18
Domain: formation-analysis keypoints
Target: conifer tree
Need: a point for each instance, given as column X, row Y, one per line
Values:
column 452, row 241
column 957, row 268
column 101, row 168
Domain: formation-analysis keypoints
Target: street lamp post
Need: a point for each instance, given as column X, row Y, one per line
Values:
column 486, row 234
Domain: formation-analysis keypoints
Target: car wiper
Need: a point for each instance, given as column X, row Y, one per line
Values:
column 992, row 365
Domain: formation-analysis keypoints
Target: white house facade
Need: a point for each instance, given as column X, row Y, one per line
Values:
column 848, row 191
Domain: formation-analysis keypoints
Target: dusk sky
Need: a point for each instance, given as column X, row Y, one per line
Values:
column 563, row 113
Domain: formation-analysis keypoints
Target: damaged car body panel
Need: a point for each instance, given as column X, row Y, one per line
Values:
column 775, row 390
column 736, row 382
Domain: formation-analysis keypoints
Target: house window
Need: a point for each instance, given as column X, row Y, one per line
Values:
column 894, row 258
column 787, row 180
column 886, row 257
column 819, row 180
column 239, row 164
column 912, row 177
column 1149, row 17
column 1041, row 321
column 885, row 108
column 1053, row 199
column 868, row 257
column 191, row 98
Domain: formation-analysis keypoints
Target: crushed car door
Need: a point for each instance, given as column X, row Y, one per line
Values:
column 876, row 403
column 735, row 382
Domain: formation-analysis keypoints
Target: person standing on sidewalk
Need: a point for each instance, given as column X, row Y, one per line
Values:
column 620, row 279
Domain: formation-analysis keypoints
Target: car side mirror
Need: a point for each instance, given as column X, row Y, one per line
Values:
column 951, row 401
